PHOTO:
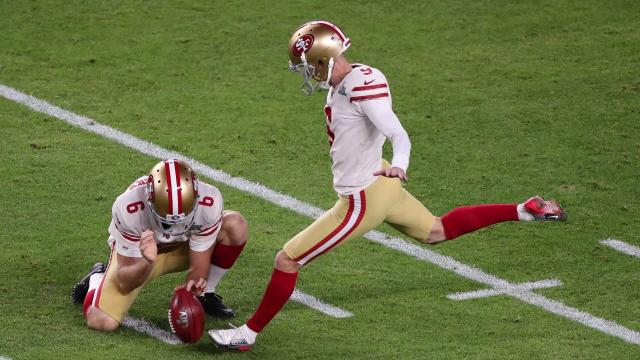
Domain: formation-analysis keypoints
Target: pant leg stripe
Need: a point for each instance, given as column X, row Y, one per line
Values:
column 344, row 222
column 355, row 226
column 96, row 298
column 352, row 220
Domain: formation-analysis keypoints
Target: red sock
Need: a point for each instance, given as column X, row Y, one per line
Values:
column 224, row 256
column 466, row 219
column 277, row 294
column 88, row 299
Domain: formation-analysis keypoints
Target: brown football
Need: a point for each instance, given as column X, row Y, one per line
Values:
column 186, row 316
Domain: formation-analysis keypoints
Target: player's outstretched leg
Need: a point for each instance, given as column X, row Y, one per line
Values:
column 231, row 241
column 466, row 219
column 278, row 292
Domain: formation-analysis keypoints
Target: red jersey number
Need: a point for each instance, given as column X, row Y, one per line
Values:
column 327, row 113
column 206, row 201
column 135, row 207
column 367, row 71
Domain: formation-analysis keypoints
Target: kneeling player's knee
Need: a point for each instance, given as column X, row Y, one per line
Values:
column 286, row 264
column 236, row 227
column 98, row 320
column 424, row 240
column 430, row 240
column 436, row 234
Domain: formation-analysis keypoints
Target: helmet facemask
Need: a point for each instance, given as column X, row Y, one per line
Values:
column 310, row 75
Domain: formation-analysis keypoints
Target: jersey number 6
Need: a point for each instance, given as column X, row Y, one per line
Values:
column 206, row 201
column 135, row 206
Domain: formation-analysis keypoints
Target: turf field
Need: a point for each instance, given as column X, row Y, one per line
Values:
column 502, row 100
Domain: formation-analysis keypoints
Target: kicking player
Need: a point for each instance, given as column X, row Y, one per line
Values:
column 359, row 117
column 165, row 222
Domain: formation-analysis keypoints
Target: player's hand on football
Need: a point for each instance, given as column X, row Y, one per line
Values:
column 392, row 172
column 195, row 286
column 148, row 247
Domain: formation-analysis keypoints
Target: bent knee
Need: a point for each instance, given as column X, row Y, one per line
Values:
column 235, row 227
column 433, row 242
column 436, row 234
column 99, row 320
column 429, row 240
column 285, row 263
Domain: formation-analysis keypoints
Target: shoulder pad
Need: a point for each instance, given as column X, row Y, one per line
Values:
column 128, row 212
column 367, row 83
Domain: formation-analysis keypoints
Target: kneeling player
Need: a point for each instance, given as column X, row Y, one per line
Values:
column 165, row 222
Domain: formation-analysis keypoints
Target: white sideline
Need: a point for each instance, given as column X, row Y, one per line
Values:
column 151, row 330
column 286, row 201
column 622, row 246
column 4, row 358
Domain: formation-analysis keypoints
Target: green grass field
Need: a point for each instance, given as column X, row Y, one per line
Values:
column 502, row 100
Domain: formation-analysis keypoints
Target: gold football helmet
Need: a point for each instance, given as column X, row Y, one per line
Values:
column 312, row 50
column 172, row 195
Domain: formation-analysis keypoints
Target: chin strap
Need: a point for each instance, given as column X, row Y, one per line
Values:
column 327, row 83
column 308, row 87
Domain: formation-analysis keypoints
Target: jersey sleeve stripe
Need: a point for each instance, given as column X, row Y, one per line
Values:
column 368, row 97
column 369, row 87
column 128, row 236
column 208, row 228
column 208, row 232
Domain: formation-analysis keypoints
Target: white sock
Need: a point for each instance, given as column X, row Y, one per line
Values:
column 523, row 214
column 215, row 275
column 94, row 280
column 251, row 335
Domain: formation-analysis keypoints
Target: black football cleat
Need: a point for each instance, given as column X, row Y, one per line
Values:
column 213, row 306
column 81, row 288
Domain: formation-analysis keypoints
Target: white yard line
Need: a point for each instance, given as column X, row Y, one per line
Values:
column 4, row 358
column 150, row 329
column 319, row 305
column 505, row 291
column 168, row 337
column 622, row 246
column 288, row 202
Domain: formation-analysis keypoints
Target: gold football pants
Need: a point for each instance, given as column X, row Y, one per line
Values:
column 383, row 201
column 115, row 303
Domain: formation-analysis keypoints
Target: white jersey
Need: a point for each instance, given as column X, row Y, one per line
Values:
column 132, row 216
column 359, row 117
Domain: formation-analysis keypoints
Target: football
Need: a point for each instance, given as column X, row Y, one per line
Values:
column 186, row 316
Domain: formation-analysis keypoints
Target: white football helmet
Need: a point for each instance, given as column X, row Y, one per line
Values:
column 172, row 195
column 312, row 50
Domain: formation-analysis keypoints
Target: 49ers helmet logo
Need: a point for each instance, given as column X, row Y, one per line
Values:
column 303, row 44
